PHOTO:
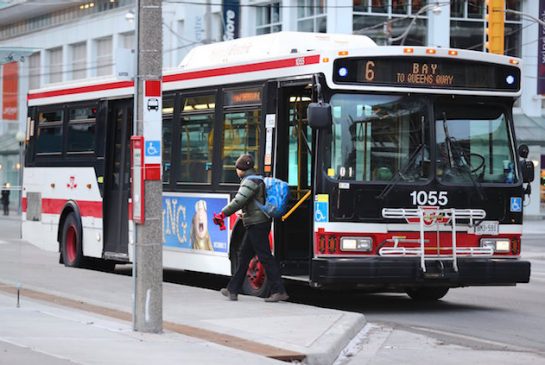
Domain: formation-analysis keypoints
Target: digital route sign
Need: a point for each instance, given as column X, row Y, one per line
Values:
column 421, row 72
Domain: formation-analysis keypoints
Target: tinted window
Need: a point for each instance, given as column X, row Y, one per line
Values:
column 49, row 133
column 196, row 139
column 82, row 130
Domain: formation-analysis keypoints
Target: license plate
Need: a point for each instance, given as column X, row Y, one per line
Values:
column 487, row 227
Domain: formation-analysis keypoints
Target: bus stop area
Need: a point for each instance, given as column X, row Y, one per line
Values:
column 77, row 316
column 83, row 316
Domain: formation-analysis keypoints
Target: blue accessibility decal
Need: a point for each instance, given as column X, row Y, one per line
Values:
column 153, row 148
column 516, row 204
column 321, row 213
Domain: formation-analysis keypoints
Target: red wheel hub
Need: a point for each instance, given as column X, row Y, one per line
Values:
column 256, row 273
column 71, row 244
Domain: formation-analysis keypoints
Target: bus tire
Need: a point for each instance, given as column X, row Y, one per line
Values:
column 71, row 242
column 427, row 294
column 256, row 282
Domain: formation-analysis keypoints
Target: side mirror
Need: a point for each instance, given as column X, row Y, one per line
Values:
column 319, row 115
column 523, row 151
column 527, row 168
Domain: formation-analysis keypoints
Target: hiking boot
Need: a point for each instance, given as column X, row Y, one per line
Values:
column 226, row 293
column 277, row 297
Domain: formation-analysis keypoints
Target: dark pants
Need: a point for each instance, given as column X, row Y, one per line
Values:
column 256, row 242
column 6, row 209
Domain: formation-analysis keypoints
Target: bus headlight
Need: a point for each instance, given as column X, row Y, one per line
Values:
column 356, row 244
column 497, row 244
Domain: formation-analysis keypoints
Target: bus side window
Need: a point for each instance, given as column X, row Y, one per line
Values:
column 49, row 131
column 240, row 135
column 168, row 110
column 82, row 130
column 196, row 139
column 241, row 118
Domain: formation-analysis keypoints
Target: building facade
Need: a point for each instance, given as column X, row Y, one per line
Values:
column 47, row 42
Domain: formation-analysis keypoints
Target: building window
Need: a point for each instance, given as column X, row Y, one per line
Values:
column 269, row 19
column 127, row 40
column 104, row 56
column 34, row 71
column 468, row 24
column 79, row 61
column 382, row 20
column 55, row 65
column 311, row 16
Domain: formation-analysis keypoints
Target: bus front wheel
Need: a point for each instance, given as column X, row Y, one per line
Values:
column 427, row 294
column 71, row 242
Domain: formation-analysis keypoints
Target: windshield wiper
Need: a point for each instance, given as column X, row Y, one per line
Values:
column 400, row 173
column 457, row 158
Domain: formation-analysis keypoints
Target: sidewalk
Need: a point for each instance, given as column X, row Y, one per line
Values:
column 84, row 316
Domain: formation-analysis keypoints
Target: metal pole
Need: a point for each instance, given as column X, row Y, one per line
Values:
column 148, row 295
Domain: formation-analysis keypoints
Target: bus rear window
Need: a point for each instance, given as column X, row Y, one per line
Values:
column 49, row 132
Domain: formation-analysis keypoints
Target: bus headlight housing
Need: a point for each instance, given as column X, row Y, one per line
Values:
column 497, row 244
column 363, row 244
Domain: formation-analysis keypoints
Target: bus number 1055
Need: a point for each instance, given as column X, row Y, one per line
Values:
column 429, row 198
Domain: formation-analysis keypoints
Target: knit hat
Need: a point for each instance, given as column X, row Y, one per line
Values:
column 245, row 162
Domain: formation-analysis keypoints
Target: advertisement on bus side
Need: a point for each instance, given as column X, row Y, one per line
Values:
column 187, row 222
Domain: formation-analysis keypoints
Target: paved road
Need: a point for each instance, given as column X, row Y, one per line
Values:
column 484, row 318
column 495, row 318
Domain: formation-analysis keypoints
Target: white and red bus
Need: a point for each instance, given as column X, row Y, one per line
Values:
column 402, row 163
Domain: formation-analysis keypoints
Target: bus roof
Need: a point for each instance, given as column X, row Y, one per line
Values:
column 271, row 56
column 272, row 45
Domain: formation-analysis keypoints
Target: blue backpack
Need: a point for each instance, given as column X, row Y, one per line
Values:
column 276, row 196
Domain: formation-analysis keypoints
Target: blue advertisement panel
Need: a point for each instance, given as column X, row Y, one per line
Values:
column 231, row 14
column 187, row 222
column 541, row 51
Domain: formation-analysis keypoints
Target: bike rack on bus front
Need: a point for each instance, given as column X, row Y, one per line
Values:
column 421, row 216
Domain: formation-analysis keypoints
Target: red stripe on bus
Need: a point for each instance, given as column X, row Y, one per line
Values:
column 261, row 66
column 82, row 89
column 55, row 206
column 191, row 75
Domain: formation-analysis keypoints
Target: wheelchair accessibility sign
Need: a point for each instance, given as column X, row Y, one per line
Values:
column 321, row 208
column 153, row 148
column 516, row 204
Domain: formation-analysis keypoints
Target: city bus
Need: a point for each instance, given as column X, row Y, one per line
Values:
column 402, row 163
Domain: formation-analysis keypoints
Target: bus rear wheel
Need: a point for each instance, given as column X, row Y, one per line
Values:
column 256, row 282
column 427, row 294
column 71, row 242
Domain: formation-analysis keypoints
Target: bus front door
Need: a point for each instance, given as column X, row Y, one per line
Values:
column 293, row 164
column 116, row 184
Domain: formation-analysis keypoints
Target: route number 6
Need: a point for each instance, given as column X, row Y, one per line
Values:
column 429, row 197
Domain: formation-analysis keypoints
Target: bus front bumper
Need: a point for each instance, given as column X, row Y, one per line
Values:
column 377, row 272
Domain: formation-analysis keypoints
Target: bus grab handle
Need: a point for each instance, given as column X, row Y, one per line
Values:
column 305, row 197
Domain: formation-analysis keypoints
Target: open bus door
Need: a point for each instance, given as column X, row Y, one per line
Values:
column 117, row 184
column 293, row 235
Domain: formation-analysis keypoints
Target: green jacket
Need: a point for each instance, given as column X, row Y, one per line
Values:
column 248, row 192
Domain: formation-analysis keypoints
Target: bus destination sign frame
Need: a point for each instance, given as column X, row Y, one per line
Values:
column 427, row 72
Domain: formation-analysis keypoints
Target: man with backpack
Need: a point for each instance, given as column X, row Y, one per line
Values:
column 250, row 194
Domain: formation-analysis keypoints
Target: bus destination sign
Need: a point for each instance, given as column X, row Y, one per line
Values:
column 423, row 72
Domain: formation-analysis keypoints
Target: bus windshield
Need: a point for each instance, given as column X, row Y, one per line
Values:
column 379, row 138
column 473, row 144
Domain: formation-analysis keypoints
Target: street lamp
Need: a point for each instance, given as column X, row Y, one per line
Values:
column 435, row 8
